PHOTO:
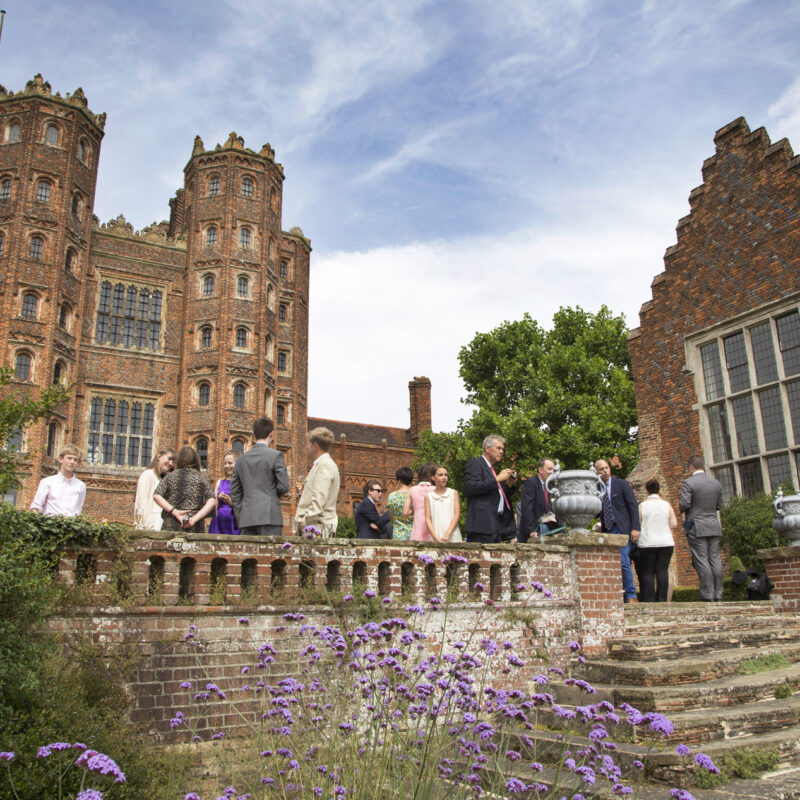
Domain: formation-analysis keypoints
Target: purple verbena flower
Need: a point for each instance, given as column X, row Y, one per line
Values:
column 244, row 620
column 515, row 786
column 702, row 760
column 101, row 764
column 192, row 796
column 478, row 587
column 186, row 685
column 347, row 598
column 7, row 756
column 286, row 546
column 681, row 794
column 574, row 646
column 425, row 558
column 89, row 794
column 368, row 593
column 683, row 750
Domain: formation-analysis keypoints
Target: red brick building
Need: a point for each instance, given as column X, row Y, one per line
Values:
column 716, row 358
column 179, row 333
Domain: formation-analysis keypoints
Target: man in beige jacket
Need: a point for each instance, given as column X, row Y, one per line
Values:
column 317, row 504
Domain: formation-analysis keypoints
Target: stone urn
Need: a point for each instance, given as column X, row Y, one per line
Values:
column 787, row 517
column 576, row 495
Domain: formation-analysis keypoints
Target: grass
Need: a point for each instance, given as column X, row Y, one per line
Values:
column 752, row 666
column 744, row 763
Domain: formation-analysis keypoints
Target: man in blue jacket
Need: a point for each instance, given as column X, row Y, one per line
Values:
column 487, row 492
column 620, row 514
column 370, row 523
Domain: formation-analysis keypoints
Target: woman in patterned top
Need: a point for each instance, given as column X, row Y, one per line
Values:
column 185, row 492
column 401, row 525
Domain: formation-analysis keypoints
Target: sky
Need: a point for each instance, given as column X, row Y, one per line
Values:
column 455, row 164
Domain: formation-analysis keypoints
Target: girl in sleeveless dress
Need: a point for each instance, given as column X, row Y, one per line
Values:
column 442, row 509
column 223, row 521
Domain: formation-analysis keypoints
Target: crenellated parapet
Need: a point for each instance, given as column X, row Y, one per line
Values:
column 156, row 232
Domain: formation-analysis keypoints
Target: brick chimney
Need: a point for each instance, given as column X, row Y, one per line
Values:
column 419, row 392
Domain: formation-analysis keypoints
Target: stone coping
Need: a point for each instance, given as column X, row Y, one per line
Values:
column 780, row 553
column 559, row 542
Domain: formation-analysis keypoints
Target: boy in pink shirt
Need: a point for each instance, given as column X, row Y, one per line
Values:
column 61, row 494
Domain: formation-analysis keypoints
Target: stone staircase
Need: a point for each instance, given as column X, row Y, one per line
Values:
column 685, row 660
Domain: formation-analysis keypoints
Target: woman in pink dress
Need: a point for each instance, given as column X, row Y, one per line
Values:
column 415, row 501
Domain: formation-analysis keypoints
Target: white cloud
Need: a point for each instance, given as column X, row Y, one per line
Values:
column 784, row 114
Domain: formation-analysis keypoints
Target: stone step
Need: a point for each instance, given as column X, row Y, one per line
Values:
column 668, row 699
column 678, row 672
column 678, row 645
column 698, row 610
column 666, row 625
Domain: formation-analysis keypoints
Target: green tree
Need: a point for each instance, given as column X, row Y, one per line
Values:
column 566, row 393
column 18, row 409
column 747, row 527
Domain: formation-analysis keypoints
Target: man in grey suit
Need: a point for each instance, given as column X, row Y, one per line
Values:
column 259, row 479
column 701, row 497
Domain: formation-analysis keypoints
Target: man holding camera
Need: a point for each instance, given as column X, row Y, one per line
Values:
column 487, row 492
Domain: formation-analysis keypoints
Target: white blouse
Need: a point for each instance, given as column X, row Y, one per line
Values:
column 655, row 531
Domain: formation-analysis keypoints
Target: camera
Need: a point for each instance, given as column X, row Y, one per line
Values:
column 513, row 474
column 185, row 520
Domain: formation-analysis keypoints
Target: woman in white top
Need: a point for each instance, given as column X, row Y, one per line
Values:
column 146, row 514
column 442, row 509
column 656, row 544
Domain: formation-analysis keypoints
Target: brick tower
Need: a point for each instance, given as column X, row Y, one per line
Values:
column 49, row 148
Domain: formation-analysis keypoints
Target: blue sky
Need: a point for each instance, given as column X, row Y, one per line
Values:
column 455, row 164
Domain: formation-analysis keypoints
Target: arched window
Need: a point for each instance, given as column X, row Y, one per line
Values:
column 211, row 236
column 284, row 269
column 247, row 186
column 37, row 248
column 30, row 305
column 63, row 316
column 245, row 237
column 12, row 135
column 201, row 445
column 2, row 244
column 242, row 285
column 58, row 372
column 239, row 391
column 69, row 259
column 208, row 284
column 82, row 150
column 43, row 192
column 237, row 445
column 281, row 417
column 281, row 313
column 52, row 439
column 22, row 366
column 206, row 335
column 5, row 189
column 268, row 348
column 204, row 394
column 51, row 134
column 76, row 206
column 282, row 361
column 241, row 337
column 273, row 198
column 213, row 185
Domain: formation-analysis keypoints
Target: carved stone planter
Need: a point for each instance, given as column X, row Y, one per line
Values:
column 575, row 495
column 787, row 517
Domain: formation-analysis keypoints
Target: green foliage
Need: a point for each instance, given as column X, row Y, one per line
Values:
column 691, row 594
column 18, row 409
column 752, row 666
column 566, row 393
column 782, row 691
column 745, row 762
column 346, row 527
column 219, row 591
column 53, row 689
column 747, row 526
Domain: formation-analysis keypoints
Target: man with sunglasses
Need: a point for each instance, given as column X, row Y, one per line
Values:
column 370, row 523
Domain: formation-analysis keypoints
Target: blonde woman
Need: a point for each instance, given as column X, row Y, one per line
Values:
column 442, row 509
column 146, row 513
column 223, row 521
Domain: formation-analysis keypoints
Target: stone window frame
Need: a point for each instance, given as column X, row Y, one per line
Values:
column 246, row 295
column 248, row 187
column 128, row 283
column 83, row 157
column 208, row 284
column 71, row 260
column 202, row 452
column 287, row 359
column 78, row 204
column 204, row 384
column 54, row 436
column 269, row 348
column 214, row 185
column 284, row 270
column 734, row 471
column 6, row 187
column 205, row 330
column 30, row 366
column 44, row 191
column 141, row 414
column 60, row 370
column 211, row 237
column 65, row 316
column 49, row 125
column 241, row 442
column 7, row 133
column 246, row 238
column 283, row 413
column 240, row 390
column 283, row 313
column 25, row 310
column 34, row 252
column 248, row 338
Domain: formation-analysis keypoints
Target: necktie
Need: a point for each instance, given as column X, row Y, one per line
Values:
column 608, row 516
column 546, row 497
column 500, row 486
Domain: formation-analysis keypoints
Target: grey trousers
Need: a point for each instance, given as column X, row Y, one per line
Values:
column 262, row 530
column 707, row 563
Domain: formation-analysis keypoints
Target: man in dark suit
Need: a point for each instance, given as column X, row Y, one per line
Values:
column 486, row 492
column 701, row 499
column 620, row 514
column 259, row 479
column 535, row 502
column 370, row 524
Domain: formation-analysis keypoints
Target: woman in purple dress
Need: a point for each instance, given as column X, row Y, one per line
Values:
column 223, row 521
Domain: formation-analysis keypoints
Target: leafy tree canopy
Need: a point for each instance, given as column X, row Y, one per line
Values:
column 565, row 393
column 18, row 409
